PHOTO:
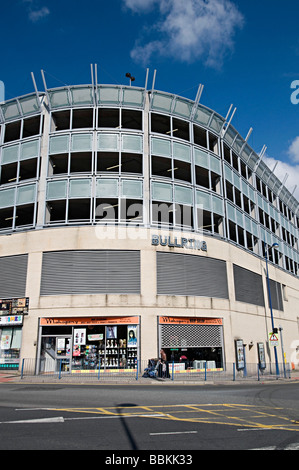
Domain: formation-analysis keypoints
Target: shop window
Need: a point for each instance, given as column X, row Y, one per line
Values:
column 6, row 218
column 162, row 213
column 31, row 126
column 12, row 131
column 131, row 119
column 200, row 136
column 182, row 170
column 108, row 161
column 9, row 173
column 108, row 118
column 79, row 210
column 28, row 169
column 202, row 177
column 82, row 118
column 24, row 215
column 180, row 129
column 131, row 163
column 107, row 210
column 81, row 162
column 161, row 166
column 60, row 120
column 160, row 123
column 56, row 211
column 10, row 340
column 58, row 164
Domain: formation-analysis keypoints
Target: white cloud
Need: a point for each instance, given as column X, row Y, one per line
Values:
column 282, row 169
column 36, row 15
column 189, row 30
column 294, row 150
column 35, row 12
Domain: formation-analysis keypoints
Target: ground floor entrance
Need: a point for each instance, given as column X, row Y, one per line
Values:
column 192, row 343
column 88, row 344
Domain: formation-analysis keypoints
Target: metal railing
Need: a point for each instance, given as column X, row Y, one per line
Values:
column 61, row 370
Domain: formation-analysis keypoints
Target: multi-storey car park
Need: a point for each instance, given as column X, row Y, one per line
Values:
column 134, row 220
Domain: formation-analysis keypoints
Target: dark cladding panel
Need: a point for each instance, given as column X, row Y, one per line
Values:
column 191, row 275
column 248, row 286
column 13, row 274
column 90, row 272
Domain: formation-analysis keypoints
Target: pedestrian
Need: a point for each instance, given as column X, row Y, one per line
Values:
column 164, row 369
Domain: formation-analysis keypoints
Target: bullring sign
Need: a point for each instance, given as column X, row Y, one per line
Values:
column 175, row 242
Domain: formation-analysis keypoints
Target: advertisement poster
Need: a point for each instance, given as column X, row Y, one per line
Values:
column 132, row 336
column 79, row 336
column 240, row 359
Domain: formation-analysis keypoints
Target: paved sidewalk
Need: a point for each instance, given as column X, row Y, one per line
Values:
column 15, row 377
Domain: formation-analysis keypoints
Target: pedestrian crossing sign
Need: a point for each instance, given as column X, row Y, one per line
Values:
column 273, row 339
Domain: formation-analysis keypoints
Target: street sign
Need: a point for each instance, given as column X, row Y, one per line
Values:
column 273, row 339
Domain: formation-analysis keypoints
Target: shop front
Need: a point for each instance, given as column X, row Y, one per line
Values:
column 86, row 345
column 192, row 343
column 12, row 313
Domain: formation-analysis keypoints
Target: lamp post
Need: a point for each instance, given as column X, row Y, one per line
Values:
column 270, row 303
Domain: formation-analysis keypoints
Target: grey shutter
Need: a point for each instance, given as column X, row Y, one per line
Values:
column 248, row 286
column 191, row 336
column 90, row 272
column 276, row 295
column 191, row 275
column 13, row 274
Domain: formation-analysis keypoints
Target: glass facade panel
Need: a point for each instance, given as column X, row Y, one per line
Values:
column 29, row 150
column 10, row 154
column 161, row 147
column 108, row 142
column 80, row 188
column 59, row 144
column 162, row 192
column 183, row 195
column 29, row 105
column 81, row 142
column 107, row 188
column 26, row 194
column 132, row 143
column 59, row 98
column 57, row 189
column 132, row 188
column 7, row 197
column 82, row 95
column 182, row 152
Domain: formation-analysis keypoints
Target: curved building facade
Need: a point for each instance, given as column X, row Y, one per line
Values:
column 133, row 220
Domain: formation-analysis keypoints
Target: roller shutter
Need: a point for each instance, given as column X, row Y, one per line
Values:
column 248, row 286
column 191, row 275
column 276, row 295
column 13, row 274
column 90, row 272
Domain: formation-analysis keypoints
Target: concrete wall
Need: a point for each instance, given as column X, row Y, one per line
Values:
column 248, row 322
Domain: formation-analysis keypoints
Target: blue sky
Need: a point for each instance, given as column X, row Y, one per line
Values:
column 244, row 52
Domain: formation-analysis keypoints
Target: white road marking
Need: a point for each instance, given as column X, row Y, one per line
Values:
column 168, row 433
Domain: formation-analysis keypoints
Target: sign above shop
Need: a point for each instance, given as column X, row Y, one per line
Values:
column 189, row 321
column 11, row 320
column 89, row 321
column 176, row 242
column 14, row 306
